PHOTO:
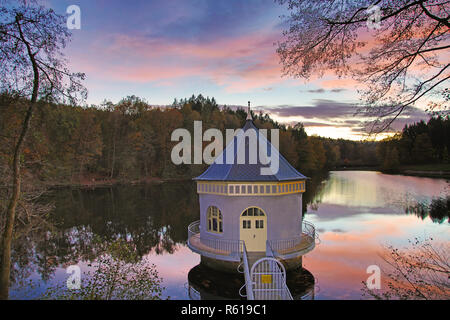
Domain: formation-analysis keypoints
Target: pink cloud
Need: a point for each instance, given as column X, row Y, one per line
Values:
column 238, row 64
column 339, row 83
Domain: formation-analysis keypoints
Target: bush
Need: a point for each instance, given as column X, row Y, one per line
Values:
column 119, row 275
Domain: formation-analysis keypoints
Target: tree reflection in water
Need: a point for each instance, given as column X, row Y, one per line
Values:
column 438, row 210
column 314, row 190
column 152, row 218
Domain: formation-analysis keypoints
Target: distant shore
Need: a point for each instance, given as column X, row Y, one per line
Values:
column 358, row 168
column 105, row 183
column 441, row 171
column 428, row 170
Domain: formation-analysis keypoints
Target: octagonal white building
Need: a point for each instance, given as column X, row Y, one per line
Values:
column 242, row 208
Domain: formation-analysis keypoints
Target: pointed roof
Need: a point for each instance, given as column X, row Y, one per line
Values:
column 223, row 171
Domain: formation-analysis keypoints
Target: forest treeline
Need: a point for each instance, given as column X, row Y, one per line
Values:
column 421, row 143
column 131, row 141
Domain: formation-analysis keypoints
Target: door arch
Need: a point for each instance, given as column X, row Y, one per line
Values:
column 253, row 229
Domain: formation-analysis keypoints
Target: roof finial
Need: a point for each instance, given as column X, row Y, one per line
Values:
column 249, row 114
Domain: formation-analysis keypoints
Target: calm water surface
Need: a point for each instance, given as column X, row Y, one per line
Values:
column 355, row 213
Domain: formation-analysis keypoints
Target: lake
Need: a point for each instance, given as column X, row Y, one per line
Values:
column 356, row 213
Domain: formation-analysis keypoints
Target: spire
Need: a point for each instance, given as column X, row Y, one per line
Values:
column 249, row 114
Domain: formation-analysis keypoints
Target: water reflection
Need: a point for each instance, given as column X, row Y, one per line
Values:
column 438, row 210
column 83, row 221
column 346, row 193
column 208, row 284
column 152, row 217
column 354, row 212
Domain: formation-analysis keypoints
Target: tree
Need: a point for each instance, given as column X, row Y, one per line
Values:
column 31, row 41
column 318, row 153
column 299, row 131
column 87, row 141
column 333, row 155
column 423, row 150
column 391, row 161
column 404, row 61
column 419, row 271
column 287, row 143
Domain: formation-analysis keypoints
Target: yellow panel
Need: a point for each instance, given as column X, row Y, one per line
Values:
column 266, row 278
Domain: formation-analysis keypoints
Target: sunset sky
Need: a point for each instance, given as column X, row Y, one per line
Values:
column 161, row 50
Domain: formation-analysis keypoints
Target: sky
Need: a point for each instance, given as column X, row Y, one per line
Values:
column 226, row 49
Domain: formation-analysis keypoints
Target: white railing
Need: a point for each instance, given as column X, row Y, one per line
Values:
column 231, row 250
column 285, row 244
column 248, row 280
column 269, row 267
column 223, row 246
column 309, row 229
column 193, row 229
column 269, row 250
column 268, row 277
column 306, row 237
column 193, row 294
column 215, row 248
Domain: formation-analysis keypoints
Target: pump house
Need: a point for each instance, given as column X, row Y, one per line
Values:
column 241, row 209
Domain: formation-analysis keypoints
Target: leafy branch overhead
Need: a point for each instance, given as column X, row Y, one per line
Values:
column 32, row 39
column 402, row 62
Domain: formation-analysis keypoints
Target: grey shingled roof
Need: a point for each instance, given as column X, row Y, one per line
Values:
column 248, row 172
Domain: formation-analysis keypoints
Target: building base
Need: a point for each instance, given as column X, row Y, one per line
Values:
column 231, row 267
column 220, row 265
column 210, row 284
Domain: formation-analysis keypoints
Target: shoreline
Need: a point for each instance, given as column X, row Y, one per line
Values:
column 106, row 183
column 405, row 171
column 425, row 174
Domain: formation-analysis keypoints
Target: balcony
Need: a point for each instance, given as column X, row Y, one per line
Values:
column 221, row 249
column 231, row 250
column 297, row 246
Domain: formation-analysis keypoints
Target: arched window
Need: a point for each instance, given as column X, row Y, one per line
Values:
column 253, row 212
column 215, row 223
column 253, row 218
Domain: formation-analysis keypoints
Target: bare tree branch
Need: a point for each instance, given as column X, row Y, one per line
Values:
column 406, row 62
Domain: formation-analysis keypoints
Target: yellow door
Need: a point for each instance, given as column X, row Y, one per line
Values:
column 253, row 226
